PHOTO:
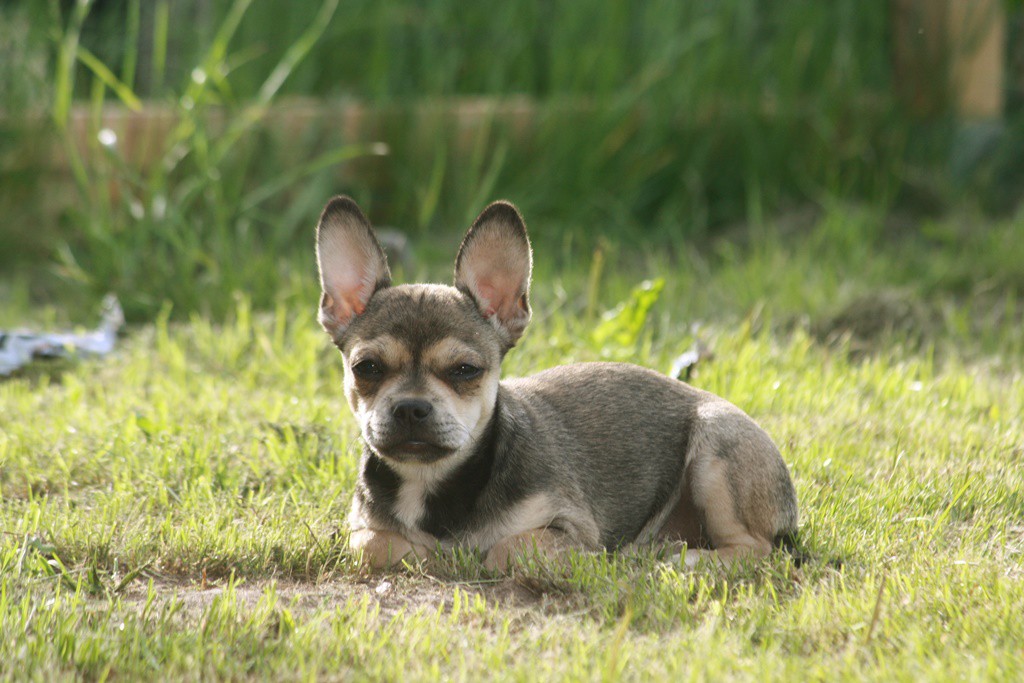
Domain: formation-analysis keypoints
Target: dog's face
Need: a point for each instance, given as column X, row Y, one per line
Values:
column 421, row 372
column 422, row 362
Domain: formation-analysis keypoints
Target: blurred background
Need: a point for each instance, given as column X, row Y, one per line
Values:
column 180, row 150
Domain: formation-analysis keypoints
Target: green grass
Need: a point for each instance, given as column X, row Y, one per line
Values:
column 177, row 510
column 665, row 120
column 690, row 119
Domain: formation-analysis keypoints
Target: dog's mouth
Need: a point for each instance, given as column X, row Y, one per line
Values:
column 413, row 450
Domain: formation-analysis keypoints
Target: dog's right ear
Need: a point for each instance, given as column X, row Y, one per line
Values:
column 352, row 264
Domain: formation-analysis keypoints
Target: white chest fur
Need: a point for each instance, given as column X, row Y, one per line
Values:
column 417, row 482
column 411, row 502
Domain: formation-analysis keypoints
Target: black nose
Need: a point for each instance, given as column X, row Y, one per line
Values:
column 412, row 411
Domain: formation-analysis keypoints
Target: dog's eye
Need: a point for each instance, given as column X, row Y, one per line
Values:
column 464, row 371
column 368, row 369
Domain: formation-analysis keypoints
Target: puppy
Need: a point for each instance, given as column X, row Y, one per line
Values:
column 589, row 456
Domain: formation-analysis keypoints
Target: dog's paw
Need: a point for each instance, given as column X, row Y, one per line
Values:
column 682, row 557
column 539, row 542
column 382, row 549
column 499, row 558
column 695, row 558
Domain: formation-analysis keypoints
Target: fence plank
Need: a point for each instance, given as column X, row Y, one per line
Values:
column 949, row 55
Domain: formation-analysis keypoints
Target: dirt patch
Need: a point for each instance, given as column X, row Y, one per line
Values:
column 874, row 320
column 393, row 592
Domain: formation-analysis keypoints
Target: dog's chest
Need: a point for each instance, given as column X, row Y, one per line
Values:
column 434, row 513
column 443, row 502
column 411, row 502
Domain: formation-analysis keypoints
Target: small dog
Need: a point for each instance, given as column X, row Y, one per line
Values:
column 588, row 456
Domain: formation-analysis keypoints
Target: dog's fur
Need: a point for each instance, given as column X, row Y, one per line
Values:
column 588, row 456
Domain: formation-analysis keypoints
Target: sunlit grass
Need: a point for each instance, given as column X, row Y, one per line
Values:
column 178, row 510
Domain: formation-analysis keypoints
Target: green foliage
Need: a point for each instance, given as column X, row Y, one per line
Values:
column 177, row 510
column 668, row 117
column 403, row 48
column 621, row 327
column 664, row 120
column 193, row 219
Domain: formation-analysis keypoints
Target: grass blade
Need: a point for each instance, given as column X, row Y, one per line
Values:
column 297, row 51
column 131, row 45
column 286, row 180
column 161, row 22
column 101, row 71
column 67, row 51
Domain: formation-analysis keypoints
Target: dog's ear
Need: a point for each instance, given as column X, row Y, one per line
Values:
column 352, row 264
column 493, row 267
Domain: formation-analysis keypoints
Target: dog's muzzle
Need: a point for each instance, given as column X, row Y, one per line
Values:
column 410, row 434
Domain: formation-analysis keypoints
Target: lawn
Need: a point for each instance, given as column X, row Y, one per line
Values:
column 738, row 177
column 176, row 510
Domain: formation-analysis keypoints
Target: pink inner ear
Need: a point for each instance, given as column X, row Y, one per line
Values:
column 347, row 307
column 346, row 297
column 499, row 296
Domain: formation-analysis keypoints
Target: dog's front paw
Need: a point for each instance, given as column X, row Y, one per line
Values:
column 499, row 558
column 381, row 549
column 542, row 542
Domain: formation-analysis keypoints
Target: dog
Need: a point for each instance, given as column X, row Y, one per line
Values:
column 590, row 456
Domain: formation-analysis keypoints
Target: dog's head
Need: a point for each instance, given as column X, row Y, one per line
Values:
column 422, row 362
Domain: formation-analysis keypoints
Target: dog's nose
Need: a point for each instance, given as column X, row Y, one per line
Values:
column 412, row 411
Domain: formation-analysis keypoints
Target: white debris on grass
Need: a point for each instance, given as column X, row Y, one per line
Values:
column 18, row 348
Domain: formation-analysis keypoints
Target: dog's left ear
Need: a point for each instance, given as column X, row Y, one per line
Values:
column 493, row 267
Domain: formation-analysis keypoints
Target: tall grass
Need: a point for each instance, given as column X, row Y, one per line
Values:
column 193, row 226
column 661, row 120
column 687, row 114
column 403, row 48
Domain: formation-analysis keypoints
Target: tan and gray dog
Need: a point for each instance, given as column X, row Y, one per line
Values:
column 588, row 456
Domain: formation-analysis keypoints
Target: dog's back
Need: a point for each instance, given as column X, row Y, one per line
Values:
column 625, row 436
column 618, row 433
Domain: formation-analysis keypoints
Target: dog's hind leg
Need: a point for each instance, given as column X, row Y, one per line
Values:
column 715, row 495
column 721, row 517
column 736, row 496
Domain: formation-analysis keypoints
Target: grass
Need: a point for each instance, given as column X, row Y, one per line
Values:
column 177, row 510
column 682, row 123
